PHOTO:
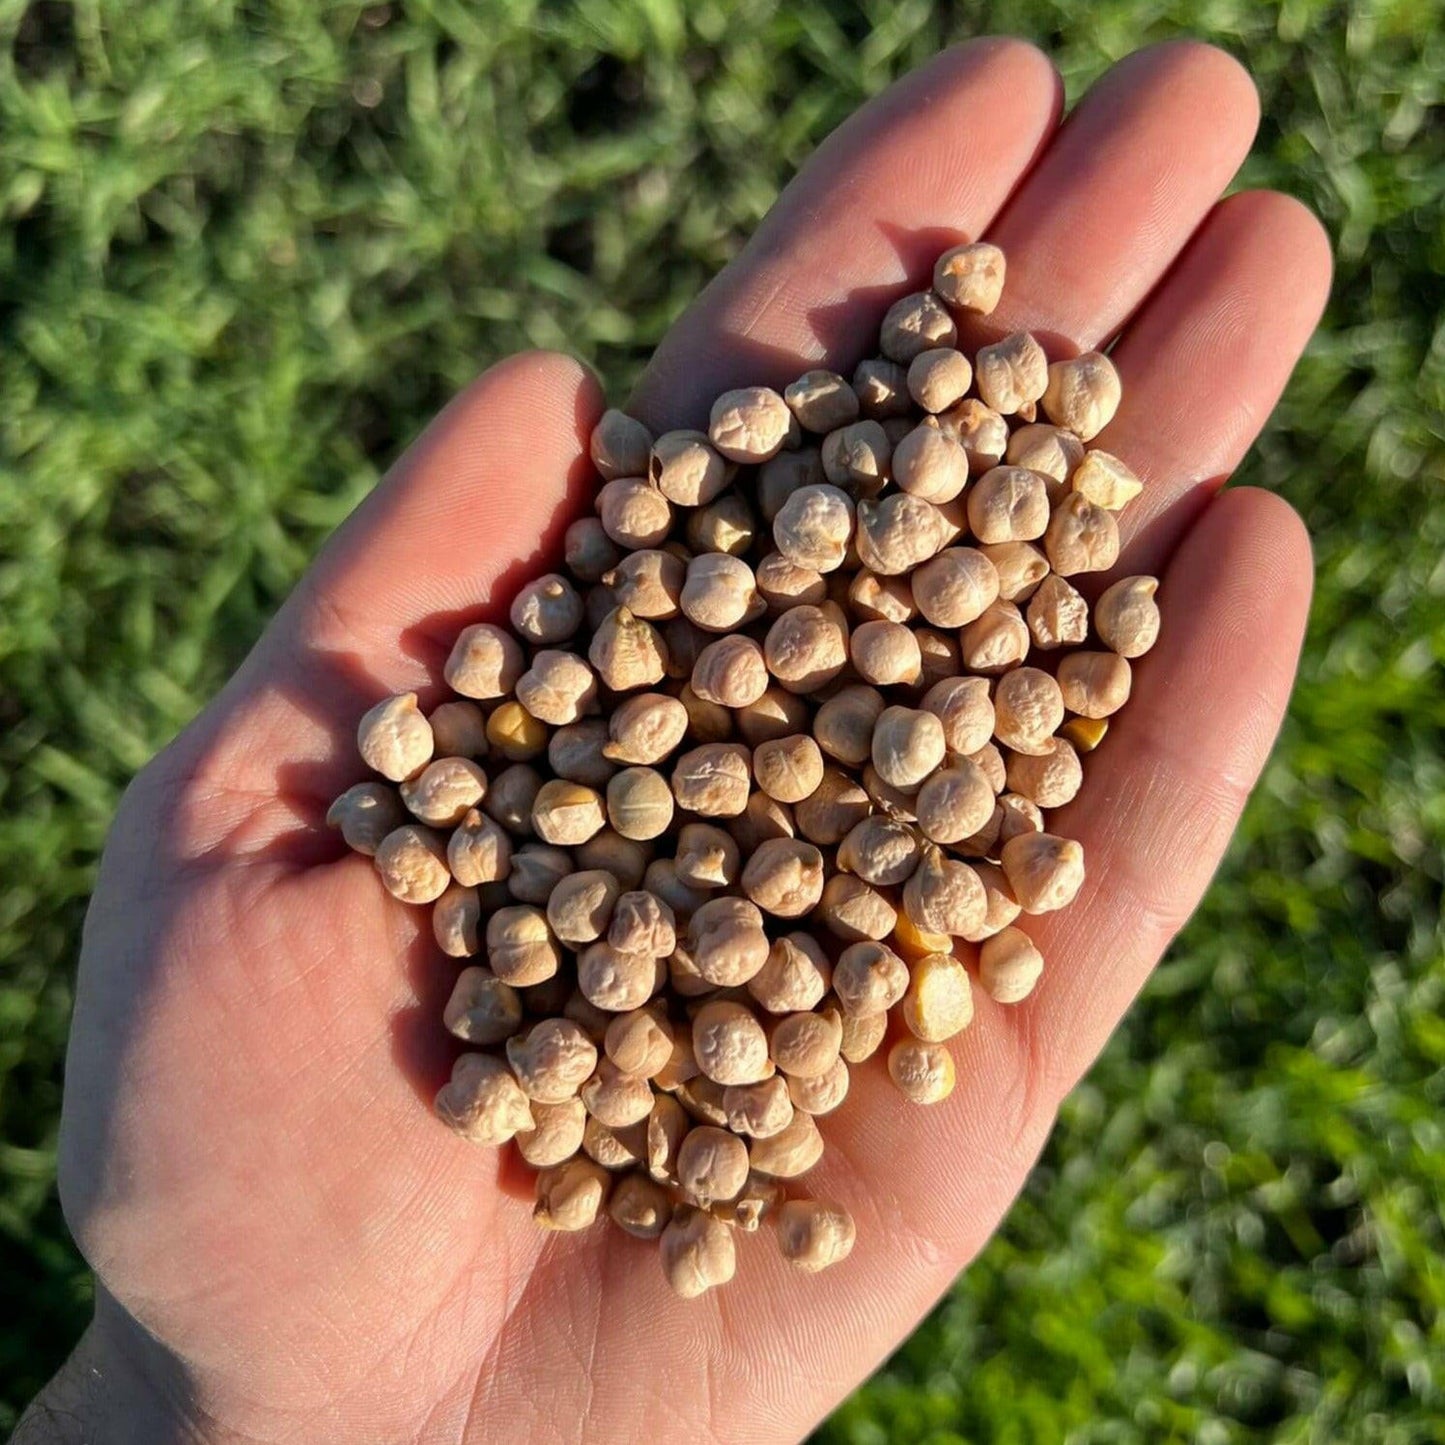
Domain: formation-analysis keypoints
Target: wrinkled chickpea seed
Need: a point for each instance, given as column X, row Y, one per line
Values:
column 704, row 825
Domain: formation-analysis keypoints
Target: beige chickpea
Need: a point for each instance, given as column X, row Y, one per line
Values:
column 697, row 1253
column 454, row 919
column 644, row 729
column 825, row 815
column 914, row 324
column 712, row 1164
column 1009, row 966
column 1093, row 684
column 908, row 745
column 784, row 877
column 822, row 401
column 997, row 640
column 880, row 850
column 727, row 942
column 990, row 760
column 615, row 981
column 1000, row 905
column 619, row 445
column 642, row 923
column 980, row 430
column 1126, row 616
column 485, row 662
column 862, row 1038
column 683, row 977
column 939, row 378
column 843, row 725
column 1044, row 871
column 1048, row 450
column 858, row 458
column 899, row 532
column 394, row 738
column 923, row 1072
column 855, row 911
column 885, row 654
column 1083, row 394
column 869, row 977
column 686, row 469
column 546, row 610
column 805, row 648
column 565, row 813
column 482, row 1101
column 783, row 584
column 555, row 1135
column 1105, row 481
column 639, row 1206
column 759, row 1110
column 639, row 1042
column 880, row 599
column 984, row 842
column 789, row 768
column 956, row 587
column 520, row 946
column 639, row 804
column 943, row 896
column 703, row 1100
column 893, row 802
column 729, row 1043
column 777, row 714
column 616, row 1098
column 823, row 1093
column 536, row 870
column 814, row 527
column 954, row 803
column 964, row 707
column 814, row 1234
column 970, row 277
column 1021, row 567
column 589, row 551
column 707, row 856
column 713, row 780
column 581, row 904
column 731, row 672
column 552, row 1060
column 1048, row 780
column 627, row 652
column 881, row 386
column 795, row 977
column 1008, row 504
column 515, row 734
column 614, row 1150
column 790, row 1153
column 634, row 513
column 445, row 791
column 365, row 814
column 720, row 593
column 1057, row 615
column 648, row 583
column 459, row 730
column 412, row 863
column 482, row 1009
column 1020, row 813
column 667, row 1125
column 1028, row 706
column 1011, row 373
column 938, row 653
column 726, row 525
column 577, row 1006
column 571, row 1195
column 805, row 1045
column 749, row 424
column 574, row 752
column 762, row 819
column 780, row 476
column 939, row 1001
column 1081, row 537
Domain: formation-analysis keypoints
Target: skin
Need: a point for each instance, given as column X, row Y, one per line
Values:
column 288, row 1246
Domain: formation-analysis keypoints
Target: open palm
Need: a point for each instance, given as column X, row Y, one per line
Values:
column 289, row 1246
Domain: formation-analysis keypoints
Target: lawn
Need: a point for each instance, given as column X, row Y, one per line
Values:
column 247, row 249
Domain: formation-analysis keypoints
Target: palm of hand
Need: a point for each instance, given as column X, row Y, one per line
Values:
column 248, row 1157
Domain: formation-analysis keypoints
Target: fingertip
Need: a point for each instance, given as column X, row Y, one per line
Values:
column 1279, row 534
column 1219, row 81
column 1297, row 232
column 557, row 386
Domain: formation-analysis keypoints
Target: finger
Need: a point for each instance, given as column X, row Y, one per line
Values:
column 1135, row 168
column 1204, row 362
column 925, row 165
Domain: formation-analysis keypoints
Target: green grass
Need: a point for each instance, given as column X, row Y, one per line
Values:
column 247, row 249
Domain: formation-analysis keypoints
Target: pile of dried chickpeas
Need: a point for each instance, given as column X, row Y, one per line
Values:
column 737, row 781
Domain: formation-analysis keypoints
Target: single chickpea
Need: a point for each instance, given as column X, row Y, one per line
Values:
column 627, row 652
column 923, row 1072
column 581, row 904
column 759, row 1110
column 558, row 688
column 880, row 599
column 634, row 513
column 454, row 921
column 750, row 424
column 726, row 525
column 1011, row 373
column 555, row 1135
column 485, row 662
column 482, row 1009
column 805, row 1045
column 822, row 401
column 788, row 769
column 576, row 1006
column 814, row 527
column 862, row 1037
column 712, row 1164
column 939, row 378
column 1126, row 616
column 1081, row 537
column 996, row 641
column 869, row 978
column 648, row 583
column 939, row 1001
column 954, row 803
column 943, row 896
column 731, row 672
column 881, row 850
column 614, row 1150
column 697, row 1252
column 686, row 469
column 365, row 814
column 574, row 752
column 898, row 533
column 720, row 593
column 783, row 584
column 547, row 610
column 639, row 804
column 707, row 856
column 1001, row 907
column 1083, row 394
column 855, row 911
column 1105, row 481
column 791, row 1153
column 615, row 1098
column 964, row 707
column 969, row 278
column 615, row 981
column 536, row 870
column 552, row 1060
column 1093, row 684
column 956, row 587
column 795, row 977
column 886, row 654
column 663, row 879
column 1020, row 815
column 908, row 744
column 1008, row 504
column 682, row 641
column 1049, row 450
column 459, row 730
column 784, row 877
column 914, row 324
column 990, row 761
column 395, row 739
column 482, row 1101
column 668, row 1124
column 981, row 431
column 520, row 947
column 639, row 1206
column 930, row 464
column 728, row 945
column 642, row 923
column 645, row 728
column 713, row 780
column 639, row 1042
column 857, row 458
column 1049, row 779
column 1028, row 707
column 823, row 1094
column 1009, row 966
column 589, row 551
column 882, row 389
column 730, row 1044
column 806, row 648
column 619, row 445
column 571, row 1195
column 843, row 726
column 515, row 734
column 1044, row 871
column 1021, row 567
column 1057, row 615
column 412, row 862
column 565, row 814
column 703, row 1100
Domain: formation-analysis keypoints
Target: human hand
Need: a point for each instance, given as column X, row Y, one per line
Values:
column 288, row 1245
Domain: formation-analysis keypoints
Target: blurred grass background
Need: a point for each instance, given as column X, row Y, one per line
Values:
column 248, row 248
